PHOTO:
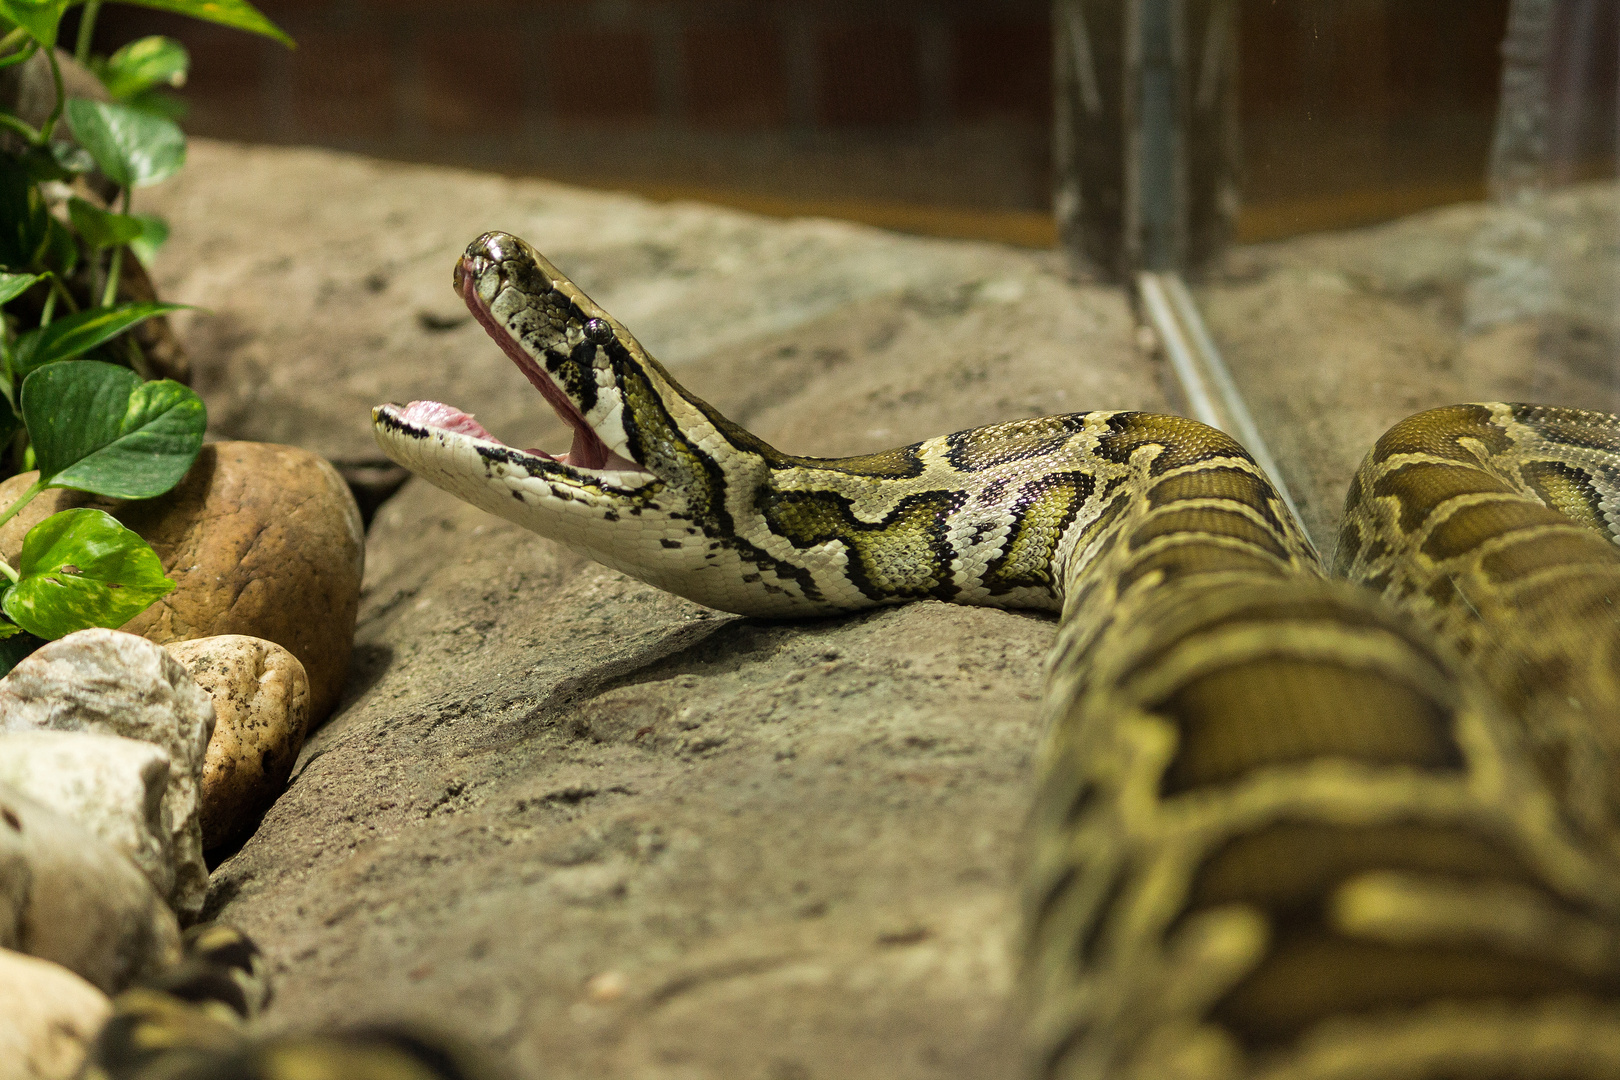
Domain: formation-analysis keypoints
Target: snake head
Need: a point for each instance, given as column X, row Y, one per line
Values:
column 568, row 348
column 576, row 355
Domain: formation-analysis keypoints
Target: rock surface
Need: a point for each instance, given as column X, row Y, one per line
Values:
column 48, row 1018
column 112, row 683
column 590, row 826
column 111, row 786
column 261, row 709
column 261, row 540
column 76, row 901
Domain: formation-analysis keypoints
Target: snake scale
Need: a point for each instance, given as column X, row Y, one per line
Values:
column 1283, row 828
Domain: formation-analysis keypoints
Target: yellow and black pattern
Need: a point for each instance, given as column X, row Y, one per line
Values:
column 1283, row 830
column 192, row 1022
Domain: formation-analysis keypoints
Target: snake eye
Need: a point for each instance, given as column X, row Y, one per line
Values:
column 598, row 332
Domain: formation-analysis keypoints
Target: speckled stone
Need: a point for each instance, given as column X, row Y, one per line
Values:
column 261, row 702
column 112, row 683
column 68, row 897
column 261, row 540
column 110, row 785
column 48, row 1017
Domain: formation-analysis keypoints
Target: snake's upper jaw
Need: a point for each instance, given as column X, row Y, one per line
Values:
column 501, row 270
column 556, row 336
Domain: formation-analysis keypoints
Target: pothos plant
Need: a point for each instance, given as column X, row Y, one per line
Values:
column 74, row 400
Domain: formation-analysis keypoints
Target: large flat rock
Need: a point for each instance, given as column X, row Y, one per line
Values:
column 598, row 828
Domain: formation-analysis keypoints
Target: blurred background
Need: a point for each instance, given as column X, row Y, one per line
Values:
column 927, row 115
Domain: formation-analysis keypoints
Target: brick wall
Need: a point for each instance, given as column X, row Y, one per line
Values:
column 942, row 102
column 828, row 98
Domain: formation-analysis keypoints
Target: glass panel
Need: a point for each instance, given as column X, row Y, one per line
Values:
column 1332, row 336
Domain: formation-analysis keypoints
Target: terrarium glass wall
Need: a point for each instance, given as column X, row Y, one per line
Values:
column 1511, row 291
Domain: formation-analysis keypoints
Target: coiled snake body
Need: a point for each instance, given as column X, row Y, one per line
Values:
column 1281, row 829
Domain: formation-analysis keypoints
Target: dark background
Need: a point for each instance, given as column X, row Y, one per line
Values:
column 926, row 114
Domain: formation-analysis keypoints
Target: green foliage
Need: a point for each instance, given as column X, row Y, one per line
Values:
column 89, row 425
column 237, row 14
column 98, row 428
column 101, row 228
column 81, row 568
column 133, row 147
column 74, row 335
column 142, row 65
column 38, row 17
column 14, row 285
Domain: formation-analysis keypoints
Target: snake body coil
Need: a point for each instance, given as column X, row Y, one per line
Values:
column 1281, row 830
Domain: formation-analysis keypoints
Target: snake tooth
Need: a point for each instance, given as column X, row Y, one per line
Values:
column 1282, row 828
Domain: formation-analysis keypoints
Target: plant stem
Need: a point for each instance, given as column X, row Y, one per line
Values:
column 48, row 310
column 5, row 568
column 116, row 263
column 10, row 41
column 87, row 28
column 27, row 497
column 61, row 290
column 22, row 128
column 61, row 97
column 110, row 293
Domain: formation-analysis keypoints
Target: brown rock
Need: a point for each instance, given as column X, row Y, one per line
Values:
column 261, row 540
column 261, row 704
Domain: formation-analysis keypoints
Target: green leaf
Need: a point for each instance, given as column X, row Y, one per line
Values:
column 143, row 64
column 96, row 427
column 14, row 285
column 133, row 148
column 57, row 161
column 81, row 568
column 102, row 228
column 234, row 13
column 39, row 17
column 24, row 221
column 76, row 334
column 154, row 232
column 160, row 103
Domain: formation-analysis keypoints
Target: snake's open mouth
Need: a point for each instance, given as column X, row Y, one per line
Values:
column 588, row 450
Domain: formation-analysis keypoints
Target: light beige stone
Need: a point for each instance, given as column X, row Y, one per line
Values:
column 113, row 683
column 261, row 705
column 112, row 786
column 48, row 1018
column 75, row 900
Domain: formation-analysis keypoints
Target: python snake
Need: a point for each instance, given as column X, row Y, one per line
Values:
column 1282, row 828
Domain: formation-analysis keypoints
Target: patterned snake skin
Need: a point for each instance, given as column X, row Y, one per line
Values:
column 1281, row 830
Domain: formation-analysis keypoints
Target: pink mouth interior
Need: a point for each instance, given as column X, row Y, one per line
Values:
column 588, row 450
